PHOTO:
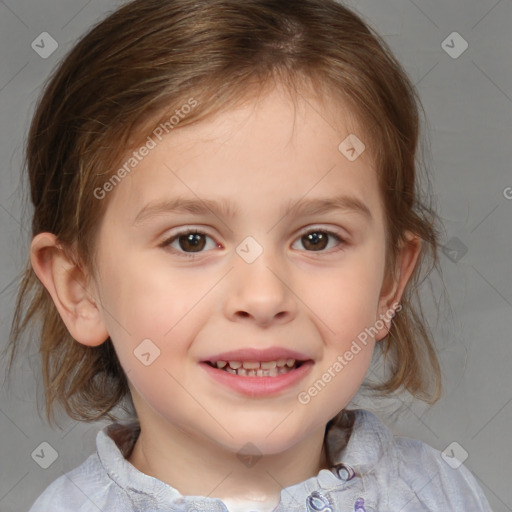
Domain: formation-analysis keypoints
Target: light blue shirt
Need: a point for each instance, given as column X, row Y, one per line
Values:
column 371, row 471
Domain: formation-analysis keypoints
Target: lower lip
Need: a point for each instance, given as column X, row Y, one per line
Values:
column 259, row 386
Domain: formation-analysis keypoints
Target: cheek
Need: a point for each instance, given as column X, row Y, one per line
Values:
column 152, row 302
column 345, row 298
column 143, row 298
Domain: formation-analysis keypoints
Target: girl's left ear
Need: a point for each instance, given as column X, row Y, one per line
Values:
column 393, row 287
column 69, row 288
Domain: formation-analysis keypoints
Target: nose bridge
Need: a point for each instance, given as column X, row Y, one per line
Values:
column 259, row 288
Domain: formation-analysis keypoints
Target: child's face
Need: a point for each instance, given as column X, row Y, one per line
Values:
column 194, row 306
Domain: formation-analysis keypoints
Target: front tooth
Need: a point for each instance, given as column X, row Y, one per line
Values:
column 235, row 364
column 281, row 362
column 290, row 362
column 251, row 365
column 268, row 365
column 221, row 364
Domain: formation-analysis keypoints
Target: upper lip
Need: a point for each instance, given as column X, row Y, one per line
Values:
column 251, row 354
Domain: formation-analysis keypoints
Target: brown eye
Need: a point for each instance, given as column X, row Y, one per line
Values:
column 188, row 243
column 315, row 241
column 318, row 240
column 192, row 242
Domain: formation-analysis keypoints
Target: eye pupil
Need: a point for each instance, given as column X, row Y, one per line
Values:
column 194, row 241
column 318, row 240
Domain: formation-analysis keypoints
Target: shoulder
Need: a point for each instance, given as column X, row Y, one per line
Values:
column 86, row 488
column 401, row 473
column 437, row 480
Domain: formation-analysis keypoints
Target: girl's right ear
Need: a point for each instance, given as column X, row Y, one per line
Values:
column 69, row 288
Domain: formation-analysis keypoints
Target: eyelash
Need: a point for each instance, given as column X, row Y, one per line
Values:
column 166, row 243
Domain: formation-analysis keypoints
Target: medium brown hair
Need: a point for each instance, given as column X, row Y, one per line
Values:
column 148, row 58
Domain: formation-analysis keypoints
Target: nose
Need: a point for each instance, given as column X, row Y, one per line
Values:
column 260, row 292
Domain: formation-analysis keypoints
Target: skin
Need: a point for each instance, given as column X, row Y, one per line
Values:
column 260, row 157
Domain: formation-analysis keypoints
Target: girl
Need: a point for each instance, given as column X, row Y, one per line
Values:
column 226, row 226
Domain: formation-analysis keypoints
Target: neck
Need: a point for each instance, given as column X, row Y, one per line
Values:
column 198, row 466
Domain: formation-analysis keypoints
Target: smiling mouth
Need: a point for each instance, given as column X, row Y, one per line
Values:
column 255, row 368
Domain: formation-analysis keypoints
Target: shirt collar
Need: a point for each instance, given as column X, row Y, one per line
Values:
column 360, row 439
column 356, row 442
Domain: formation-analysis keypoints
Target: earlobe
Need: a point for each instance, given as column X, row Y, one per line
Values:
column 406, row 263
column 68, row 286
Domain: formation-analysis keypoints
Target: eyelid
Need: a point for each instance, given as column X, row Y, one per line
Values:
column 186, row 230
column 331, row 232
column 325, row 229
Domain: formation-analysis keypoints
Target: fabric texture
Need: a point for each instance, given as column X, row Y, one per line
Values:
column 371, row 471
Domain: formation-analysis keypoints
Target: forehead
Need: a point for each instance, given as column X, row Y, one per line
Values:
column 285, row 147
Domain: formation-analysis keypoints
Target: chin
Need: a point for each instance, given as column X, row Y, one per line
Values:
column 258, row 440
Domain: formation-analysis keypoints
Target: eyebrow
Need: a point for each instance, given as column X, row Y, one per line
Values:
column 224, row 208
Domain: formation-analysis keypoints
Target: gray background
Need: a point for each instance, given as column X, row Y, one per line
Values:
column 468, row 101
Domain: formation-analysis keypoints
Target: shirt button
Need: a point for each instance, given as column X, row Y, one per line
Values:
column 318, row 502
column 344, row 472
column 359, row 505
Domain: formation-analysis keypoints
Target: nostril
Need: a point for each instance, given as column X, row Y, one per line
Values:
column 260, row 318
